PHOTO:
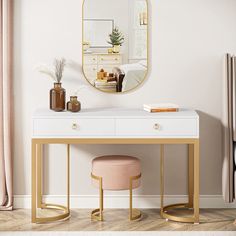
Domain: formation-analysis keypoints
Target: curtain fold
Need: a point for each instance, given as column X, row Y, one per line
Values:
column 6, row 106
column 229, row 133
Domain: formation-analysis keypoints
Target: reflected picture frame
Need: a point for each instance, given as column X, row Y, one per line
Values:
column 108, row 21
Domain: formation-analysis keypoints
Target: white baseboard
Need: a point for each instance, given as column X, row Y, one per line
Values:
column 122, row 201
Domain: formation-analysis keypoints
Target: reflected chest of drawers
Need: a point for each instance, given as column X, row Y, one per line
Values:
column 116, row 126
column 94, row 62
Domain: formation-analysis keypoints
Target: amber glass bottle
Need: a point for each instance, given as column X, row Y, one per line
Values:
column 57, row 98
column 73, row 105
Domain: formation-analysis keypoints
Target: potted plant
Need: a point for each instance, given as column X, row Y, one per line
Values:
column 57, row 94
column 116, row 39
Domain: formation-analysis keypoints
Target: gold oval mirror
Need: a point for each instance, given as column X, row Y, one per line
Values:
column 115, row 44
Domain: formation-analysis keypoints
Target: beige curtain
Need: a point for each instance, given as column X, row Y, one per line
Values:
column 229, row 119
column 6, row 98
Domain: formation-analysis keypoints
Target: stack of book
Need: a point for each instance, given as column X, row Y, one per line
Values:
column 161, row 107
column 106, row 86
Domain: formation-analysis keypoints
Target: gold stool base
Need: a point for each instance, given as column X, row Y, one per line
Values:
column 164, row 213
column 136, row 214
column 96, row 215
column 62, row 216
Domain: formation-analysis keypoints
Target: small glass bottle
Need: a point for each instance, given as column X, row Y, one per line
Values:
column 57, row 98
column 73, row 105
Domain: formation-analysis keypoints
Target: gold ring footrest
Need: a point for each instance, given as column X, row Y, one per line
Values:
column 62, row 216
column 136, row 214
column 166, row 215
column 95, row 215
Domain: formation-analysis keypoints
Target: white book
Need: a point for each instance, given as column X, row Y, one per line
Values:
column 160, row 105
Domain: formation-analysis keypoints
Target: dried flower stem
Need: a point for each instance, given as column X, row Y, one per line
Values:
column 59, row 69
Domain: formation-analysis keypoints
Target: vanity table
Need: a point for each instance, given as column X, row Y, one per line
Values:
column 116, row 126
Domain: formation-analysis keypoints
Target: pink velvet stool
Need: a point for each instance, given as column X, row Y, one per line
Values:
column 116, row 173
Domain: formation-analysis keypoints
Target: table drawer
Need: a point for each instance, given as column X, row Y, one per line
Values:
column 73, row 127
column 109, row 59
column 90, row 59
column 157, row 127
column 90, row 72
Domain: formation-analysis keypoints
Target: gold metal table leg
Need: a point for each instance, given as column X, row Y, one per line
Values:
column 39, row 175
column 37, row 188
column 162, row 176
column 193, row 187
column 134, row 214
column 33, row 184
column 68, row 178
column 196, row 182
column 190, row 174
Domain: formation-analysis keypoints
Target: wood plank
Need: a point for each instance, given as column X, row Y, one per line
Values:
column 117, row 220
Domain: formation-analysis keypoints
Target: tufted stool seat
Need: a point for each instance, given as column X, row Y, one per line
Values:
column 115, row 173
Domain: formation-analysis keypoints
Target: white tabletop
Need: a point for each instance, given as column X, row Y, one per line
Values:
column 114, row 112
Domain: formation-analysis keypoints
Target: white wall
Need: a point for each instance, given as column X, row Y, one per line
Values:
column 187, row 41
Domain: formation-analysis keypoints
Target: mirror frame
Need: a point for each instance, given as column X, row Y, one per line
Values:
column 146, row 74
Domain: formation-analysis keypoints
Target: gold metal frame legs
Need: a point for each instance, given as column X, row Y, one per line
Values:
column 193, row 187
column 37, row 144
column 37, row 201
column 97, row 214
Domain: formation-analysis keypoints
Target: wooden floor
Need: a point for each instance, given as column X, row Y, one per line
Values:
column 117, row 220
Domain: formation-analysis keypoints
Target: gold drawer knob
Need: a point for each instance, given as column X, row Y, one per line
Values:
column 102, row 59
column 94, row 59
column 156, row 126
column 116, row 59
column 74, row 126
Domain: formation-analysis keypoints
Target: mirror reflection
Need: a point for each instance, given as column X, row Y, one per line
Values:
column 115, row 43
